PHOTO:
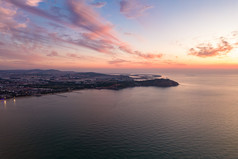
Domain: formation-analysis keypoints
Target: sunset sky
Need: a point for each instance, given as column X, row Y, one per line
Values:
column 127, row 34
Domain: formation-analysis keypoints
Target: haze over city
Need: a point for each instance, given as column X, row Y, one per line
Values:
column 127, row 34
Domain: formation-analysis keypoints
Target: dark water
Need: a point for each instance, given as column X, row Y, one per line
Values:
column 198, row 119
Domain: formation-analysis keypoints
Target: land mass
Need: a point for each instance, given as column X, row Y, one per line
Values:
column 15, row 83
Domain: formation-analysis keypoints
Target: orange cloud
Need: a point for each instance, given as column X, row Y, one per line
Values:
column 207, row 50
column 33, row 2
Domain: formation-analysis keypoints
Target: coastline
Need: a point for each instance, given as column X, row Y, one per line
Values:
column 162, row 83
column 23, row 83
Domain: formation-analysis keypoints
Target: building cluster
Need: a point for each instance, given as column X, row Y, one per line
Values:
column 15, row 84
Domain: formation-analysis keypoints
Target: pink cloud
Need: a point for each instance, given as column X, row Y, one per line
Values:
column 8, row 13
column 96, row 45
column 133, row 8
column 31, row 39
column 123, row 63
column 19, row 55
column 126, row 48
column 53, row 53
column 207, row 50
column 83, row 16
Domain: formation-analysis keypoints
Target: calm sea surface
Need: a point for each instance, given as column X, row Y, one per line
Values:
column 198, row 119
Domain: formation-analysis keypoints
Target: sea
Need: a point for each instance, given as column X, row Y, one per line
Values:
column 196, row 120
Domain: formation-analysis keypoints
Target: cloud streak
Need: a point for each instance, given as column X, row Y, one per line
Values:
column 83, row 16
column 34, row 10
column 98, row 4
column 126, row 48
column 117, row 61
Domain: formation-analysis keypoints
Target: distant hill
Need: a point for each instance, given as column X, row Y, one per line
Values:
column 50, row 71
column 33, row 71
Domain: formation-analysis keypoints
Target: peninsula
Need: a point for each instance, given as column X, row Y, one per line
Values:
column 15, row 83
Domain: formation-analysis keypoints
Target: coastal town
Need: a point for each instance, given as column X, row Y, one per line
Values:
column 16, row 83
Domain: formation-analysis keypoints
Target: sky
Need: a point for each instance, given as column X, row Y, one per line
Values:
column 118, row 34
